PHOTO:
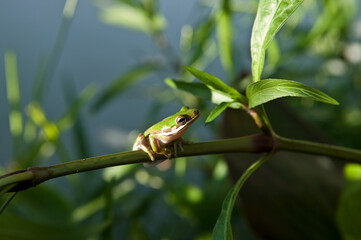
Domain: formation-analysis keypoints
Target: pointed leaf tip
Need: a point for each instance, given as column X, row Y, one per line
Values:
column 217, row 111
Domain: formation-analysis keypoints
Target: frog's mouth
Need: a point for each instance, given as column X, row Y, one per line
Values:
column 196, row 114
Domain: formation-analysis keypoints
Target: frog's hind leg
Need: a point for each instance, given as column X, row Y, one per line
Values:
column 149, row 151
column 143, row 144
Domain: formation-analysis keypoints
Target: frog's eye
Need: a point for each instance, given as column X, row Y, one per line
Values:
column 182, row 119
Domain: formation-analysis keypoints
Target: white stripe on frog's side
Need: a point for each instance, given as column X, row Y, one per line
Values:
column 166, row 129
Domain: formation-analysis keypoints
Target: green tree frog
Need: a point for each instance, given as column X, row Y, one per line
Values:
column 168, row 131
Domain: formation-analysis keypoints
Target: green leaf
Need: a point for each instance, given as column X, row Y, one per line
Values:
column 203, row 91
column 217, row 84
column 217, row 110
column 201, row 36
column 271, row 15
column 16, row 227
column 223, row 228
column 225, row 37
column 352, row 171
column 197, row 89
column 335, row 15
column 270, row 89
column 135, row 18
column 122, row 83
column 348, row 212
column 43, row 199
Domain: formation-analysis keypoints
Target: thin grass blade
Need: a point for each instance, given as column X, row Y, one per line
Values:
column 14, row 99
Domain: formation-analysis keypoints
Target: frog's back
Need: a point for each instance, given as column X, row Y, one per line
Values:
column 165, row 123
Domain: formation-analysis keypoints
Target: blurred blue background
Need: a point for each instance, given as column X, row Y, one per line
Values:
column 320, row 46
column 94, row 53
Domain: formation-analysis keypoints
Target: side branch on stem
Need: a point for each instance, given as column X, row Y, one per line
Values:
column 293, row 145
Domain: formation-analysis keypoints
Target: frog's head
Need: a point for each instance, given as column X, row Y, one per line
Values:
column 174, row 127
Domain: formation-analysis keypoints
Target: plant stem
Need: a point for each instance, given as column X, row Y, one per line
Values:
column 293, row 145
column 259, row 143
column 33, row 176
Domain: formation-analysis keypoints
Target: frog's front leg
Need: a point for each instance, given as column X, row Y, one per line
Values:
column 178, row 144
column 156, row 147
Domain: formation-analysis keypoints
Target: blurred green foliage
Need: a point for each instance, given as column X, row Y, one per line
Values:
column 318, row 46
